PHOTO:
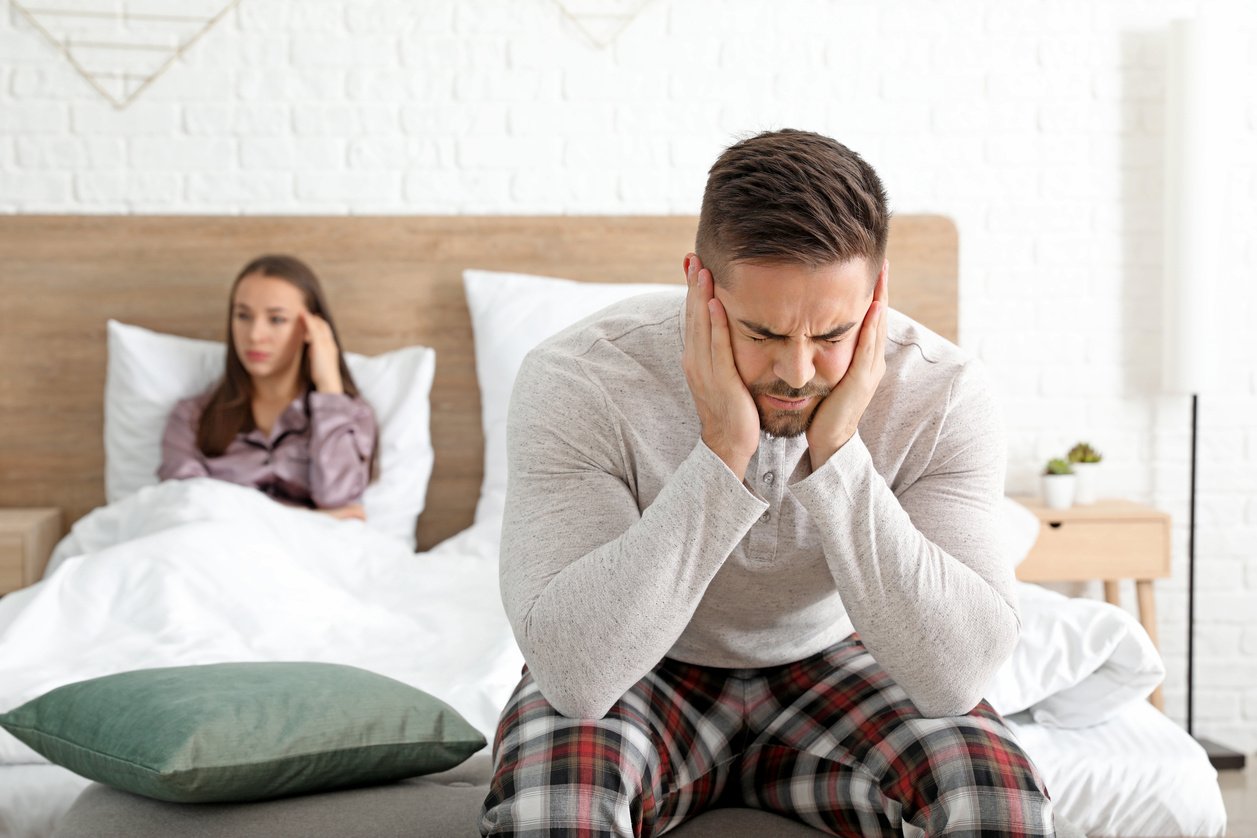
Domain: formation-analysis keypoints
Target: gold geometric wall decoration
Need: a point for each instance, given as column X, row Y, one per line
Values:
column 122, row 46
column 601, row 21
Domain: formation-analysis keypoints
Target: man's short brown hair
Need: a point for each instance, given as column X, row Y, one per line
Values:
column 791, row 196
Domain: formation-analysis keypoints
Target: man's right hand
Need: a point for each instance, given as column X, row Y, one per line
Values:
column 726, row 410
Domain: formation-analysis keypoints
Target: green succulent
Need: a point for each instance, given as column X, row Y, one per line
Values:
column 1084, row 453
column 1058, row 466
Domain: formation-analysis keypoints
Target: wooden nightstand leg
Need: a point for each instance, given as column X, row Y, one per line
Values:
column 1112, row 592
column 1148, row 618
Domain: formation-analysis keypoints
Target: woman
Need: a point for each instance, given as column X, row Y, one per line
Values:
column 287, row 417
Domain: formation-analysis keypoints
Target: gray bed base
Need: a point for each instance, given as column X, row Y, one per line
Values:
column 437, row 806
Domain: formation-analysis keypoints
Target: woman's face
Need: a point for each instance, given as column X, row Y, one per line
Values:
column 266, row 326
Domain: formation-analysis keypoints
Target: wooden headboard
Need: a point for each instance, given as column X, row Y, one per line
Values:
column 391, row 282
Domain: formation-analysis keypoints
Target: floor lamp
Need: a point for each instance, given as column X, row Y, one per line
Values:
column 1222, row 757
column 1194, row 196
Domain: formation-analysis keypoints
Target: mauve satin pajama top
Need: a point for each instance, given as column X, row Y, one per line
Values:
column 318, row 453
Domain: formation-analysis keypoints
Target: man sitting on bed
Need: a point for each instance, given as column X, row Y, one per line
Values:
column 751, row 549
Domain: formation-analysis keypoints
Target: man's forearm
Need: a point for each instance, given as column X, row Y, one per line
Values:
column 936, row 614
column 593, row 625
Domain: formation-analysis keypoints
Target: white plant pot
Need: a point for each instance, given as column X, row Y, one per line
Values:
column 1085, row 487
column 1058, row 491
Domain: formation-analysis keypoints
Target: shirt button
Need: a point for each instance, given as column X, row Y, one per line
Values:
column 765, row 517
column 769, row 477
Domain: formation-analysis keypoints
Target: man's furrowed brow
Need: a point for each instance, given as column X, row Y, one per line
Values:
column 837, row 332
column 764, row 331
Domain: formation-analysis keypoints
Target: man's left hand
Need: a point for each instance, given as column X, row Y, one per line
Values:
column 838, row 416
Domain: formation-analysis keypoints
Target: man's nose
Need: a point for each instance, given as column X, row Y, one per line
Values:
column 794, row 363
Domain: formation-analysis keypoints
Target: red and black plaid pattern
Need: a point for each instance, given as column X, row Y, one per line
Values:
column 831, row 741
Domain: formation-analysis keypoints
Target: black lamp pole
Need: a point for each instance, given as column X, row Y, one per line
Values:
column 1220, row 756
column 1191, row 571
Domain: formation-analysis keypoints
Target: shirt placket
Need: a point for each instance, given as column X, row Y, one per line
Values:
column 769, row 481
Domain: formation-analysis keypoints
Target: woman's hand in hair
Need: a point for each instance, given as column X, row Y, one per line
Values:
column 324, row 355
column 344, row 513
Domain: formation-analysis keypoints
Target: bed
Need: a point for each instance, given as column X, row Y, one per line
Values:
column 396, row 283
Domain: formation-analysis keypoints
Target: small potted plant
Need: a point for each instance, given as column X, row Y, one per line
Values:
column 1086, row 463
column 1058, row 484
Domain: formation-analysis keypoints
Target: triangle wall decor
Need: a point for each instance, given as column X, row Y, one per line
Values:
column 122, row 46
column 601, row 21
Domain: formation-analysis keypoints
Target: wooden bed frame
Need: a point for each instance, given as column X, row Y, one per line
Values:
column 391, row 282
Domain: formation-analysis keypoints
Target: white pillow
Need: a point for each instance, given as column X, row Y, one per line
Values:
column 148, row 372
column 1077, row 662
column 510, row 314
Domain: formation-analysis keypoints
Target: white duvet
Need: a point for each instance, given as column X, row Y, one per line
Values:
column 202, row 571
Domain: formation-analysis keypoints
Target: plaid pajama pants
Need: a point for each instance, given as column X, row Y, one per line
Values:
column 831, row 741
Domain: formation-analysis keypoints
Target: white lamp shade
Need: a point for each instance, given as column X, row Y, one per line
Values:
column 1195, row 172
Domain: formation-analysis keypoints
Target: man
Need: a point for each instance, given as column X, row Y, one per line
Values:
column 750, row 546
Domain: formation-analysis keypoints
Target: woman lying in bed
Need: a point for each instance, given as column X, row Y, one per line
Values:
column 286, row 417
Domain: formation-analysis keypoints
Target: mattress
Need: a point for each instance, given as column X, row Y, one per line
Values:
column 34, row 797
column 202, row 571
column 1136, row 774
column 438, row 806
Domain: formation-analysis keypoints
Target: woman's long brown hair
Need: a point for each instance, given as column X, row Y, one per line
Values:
column 229, row 410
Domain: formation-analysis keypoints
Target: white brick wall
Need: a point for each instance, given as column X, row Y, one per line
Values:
column 1037, row 126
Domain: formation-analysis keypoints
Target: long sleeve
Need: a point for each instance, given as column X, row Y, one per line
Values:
column 921, row 575
column 598, row 590
column 342, row 436
column 180, row 457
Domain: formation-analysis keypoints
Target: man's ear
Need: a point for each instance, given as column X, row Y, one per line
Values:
column 881, row 281
column 718, row 269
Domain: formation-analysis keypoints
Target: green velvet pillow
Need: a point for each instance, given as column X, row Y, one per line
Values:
column 243, row 731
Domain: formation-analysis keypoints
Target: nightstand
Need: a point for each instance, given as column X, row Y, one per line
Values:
column 27, row 537
column 1110, row 540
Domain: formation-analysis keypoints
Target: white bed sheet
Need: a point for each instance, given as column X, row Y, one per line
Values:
column 1136, row 774
column 204, row 571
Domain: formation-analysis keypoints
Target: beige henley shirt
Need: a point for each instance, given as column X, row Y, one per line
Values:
column 626, row 539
